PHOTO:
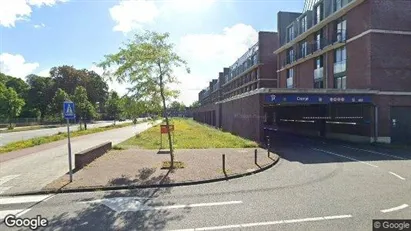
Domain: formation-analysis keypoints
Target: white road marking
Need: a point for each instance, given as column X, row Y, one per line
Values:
column 374, row 152
column 29, row 208
column 395, row 208
column 120, row 204
column 237, row 226
column 4, row 213
column 3, row 189
column 402, row 178
column 22, row 199
column 4, row 179
column 336, row 154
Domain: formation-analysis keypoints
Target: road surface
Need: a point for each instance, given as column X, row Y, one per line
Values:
column 10, row 137
column 34, row 171
column 316, row 185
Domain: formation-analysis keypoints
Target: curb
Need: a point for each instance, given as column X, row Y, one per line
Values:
column 121, row 187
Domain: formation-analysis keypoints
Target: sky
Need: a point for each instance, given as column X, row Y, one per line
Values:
column 36, row 35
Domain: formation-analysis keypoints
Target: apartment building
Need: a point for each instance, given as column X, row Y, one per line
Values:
column 223, row 101
column 349, row 49
column 343, row 70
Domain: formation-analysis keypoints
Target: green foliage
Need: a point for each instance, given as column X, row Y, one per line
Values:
column 146, row 63
column 10, row 103
column 189, row 135
column 56, row 106
column 195, row 104
column 113, row 106
column 68, row 78
column 41, row 93
column 176, row 106
column 84, row 109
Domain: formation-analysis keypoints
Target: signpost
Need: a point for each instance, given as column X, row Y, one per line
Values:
column 164, row 130
column 69, row 113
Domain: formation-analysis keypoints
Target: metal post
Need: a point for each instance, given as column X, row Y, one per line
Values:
column 255, row 157
column 69, row 150
column 224, row 163
column 268, row 146
column 376, row 123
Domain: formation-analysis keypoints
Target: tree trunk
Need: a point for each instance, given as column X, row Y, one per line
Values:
column 170, row 143
column 85, row 123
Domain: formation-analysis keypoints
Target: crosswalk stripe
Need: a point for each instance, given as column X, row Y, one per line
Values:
column 22, row 199
column 4, row 213
column 4, row 179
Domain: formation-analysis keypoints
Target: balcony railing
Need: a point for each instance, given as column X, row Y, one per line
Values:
column 340, row 67
column 319, row 73
column 313, row 46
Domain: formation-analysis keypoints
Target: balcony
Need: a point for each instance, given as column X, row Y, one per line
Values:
column 319, row 73
column 340, row 67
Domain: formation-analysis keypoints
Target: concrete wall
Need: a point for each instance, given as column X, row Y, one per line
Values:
column 85, row 157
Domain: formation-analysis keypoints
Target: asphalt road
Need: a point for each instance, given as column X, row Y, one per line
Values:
column 10, row 137
column 34, row 171
column 315, row 186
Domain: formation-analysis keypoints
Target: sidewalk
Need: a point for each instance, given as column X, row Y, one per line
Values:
column 141, row 167
column 34, row 170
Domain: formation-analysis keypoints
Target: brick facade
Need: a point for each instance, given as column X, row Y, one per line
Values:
column 377, row 42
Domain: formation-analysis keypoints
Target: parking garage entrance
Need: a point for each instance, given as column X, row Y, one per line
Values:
column 348, row 117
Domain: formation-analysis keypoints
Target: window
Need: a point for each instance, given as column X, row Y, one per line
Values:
column 290, row 56
column 290, row 33
column 303, row 24
column 319, row 84
column 319, row 62
column 318, row 39
column 303, row 49
column 318, row 70
column 319, row 11
column 340, row 30
column 290, row 77
column 255, row 59
column 340, row 57
column 340, row 82
column 338, row 4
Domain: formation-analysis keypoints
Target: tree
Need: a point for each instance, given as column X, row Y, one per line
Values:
column 41, row 93
column 68, row 78
column 10, row 103
column 132, row 108
column 195, row 104
column 113, row 107
column 56, row 106
column 84, row 108
column 147, row 64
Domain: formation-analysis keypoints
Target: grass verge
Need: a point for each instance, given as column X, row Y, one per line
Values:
column 188, row 134
column 48, row 139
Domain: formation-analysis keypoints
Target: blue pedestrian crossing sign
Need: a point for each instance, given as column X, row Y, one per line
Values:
column 68, row 110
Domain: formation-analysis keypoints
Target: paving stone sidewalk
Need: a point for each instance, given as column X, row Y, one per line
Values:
column 143, row 167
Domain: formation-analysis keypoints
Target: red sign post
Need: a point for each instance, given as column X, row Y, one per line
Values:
column 164, row 130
